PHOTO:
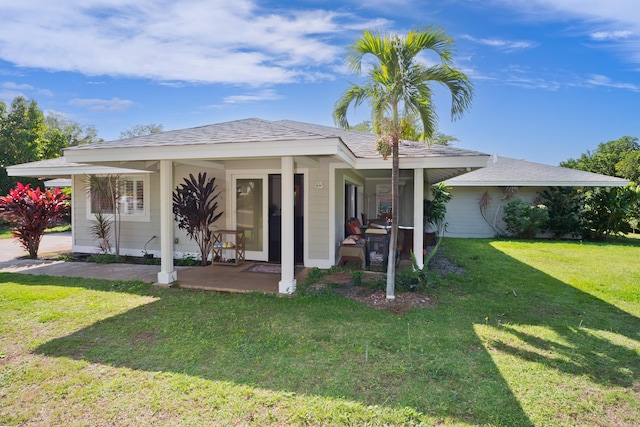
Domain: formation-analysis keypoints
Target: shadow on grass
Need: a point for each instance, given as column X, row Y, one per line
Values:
column 430, row 360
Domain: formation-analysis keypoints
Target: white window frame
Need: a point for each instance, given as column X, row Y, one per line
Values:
column 143, row 216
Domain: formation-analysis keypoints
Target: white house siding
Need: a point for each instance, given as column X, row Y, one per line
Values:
column 318, row 213
column 185, row 245
column 463, row 211
column 133, row 235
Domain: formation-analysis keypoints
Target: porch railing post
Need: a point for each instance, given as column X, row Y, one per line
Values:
column 167, row 273
column 418, row 215
column 287, row 283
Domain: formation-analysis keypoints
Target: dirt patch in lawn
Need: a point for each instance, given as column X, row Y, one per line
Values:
column 343, row 283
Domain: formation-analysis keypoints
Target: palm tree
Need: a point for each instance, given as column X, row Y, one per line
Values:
column 397, row 87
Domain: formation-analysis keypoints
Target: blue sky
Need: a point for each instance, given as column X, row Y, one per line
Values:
column 552, row 78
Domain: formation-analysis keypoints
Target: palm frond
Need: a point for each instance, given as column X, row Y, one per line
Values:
column 458, row 84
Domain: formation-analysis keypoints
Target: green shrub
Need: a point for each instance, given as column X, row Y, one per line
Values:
column 523, row 220
column 610, row 211
column 187, row 261
column 102, row 259
column 565, row 206
column 31, row 212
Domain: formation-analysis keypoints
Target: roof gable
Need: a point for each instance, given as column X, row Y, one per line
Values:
column 505, row 171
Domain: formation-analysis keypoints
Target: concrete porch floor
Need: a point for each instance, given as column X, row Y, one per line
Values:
column 227, row 278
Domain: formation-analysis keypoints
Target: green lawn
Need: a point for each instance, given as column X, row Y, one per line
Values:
column 533, row 334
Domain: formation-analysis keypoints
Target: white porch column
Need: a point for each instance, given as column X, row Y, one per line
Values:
column 287, row 283
column 418, row 214
column 167, row 274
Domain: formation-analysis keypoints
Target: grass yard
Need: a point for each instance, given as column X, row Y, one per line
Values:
column 533, row 334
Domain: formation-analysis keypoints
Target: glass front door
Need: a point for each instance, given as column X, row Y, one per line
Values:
column 249, row 215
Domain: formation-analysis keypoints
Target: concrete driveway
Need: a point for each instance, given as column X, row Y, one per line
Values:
column 51, row 243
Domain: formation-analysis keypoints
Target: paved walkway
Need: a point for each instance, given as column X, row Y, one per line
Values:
column 12, row 261
column 218, row 277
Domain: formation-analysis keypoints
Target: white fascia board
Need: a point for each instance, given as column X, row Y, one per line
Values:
column 219, row 151
column 202, row 164
column 346, row 155
column 538, row 184
column 67, row 171
column 425, row 162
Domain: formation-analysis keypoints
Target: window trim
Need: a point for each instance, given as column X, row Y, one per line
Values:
column 128, row 217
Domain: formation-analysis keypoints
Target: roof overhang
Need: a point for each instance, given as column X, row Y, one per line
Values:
column 219, row 151
column 603, row 183
column 68, row 170
column 441, row 162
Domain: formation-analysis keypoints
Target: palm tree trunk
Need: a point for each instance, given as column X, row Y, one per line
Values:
column 393, row 241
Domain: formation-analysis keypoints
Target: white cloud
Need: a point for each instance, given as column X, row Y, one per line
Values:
column 264, row 95
column 45, row 92
column 103, row 105
column 16, row 86
column 621, row 11
column 505, row 45
column 600, row 80
column 610, row 35
column 220, row 41
column 12, row 89
column 9, row 95
column 611, row 20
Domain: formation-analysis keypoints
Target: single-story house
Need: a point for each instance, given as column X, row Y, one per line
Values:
column 504, row 176
column 288, row 186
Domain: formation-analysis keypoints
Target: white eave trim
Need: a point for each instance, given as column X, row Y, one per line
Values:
column 67, row 171
column 538, row 184
column 216, row 151
column 444, row 162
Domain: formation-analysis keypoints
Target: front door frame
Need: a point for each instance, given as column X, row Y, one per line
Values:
column 232, row 175
column 262, row 255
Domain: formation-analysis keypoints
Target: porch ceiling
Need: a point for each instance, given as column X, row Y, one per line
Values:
column 432, row 176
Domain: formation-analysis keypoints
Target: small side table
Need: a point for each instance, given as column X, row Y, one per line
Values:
column 223, row 246
column 355, row 253
column 378, row 247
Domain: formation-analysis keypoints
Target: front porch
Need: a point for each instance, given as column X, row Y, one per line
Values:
column 239, row 279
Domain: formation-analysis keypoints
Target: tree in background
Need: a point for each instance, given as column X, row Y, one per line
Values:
column 611, row 210
column 140, row 130
column 397, row 87
column 619, row 158
column 194, row 207
column 69, row 132
column 27, row 135
column 21, row 136
column 629, row 166
column 32, row 211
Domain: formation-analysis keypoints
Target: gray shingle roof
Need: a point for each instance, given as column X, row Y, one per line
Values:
column 58, row 162
column 361, row 144
column 504, row 171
